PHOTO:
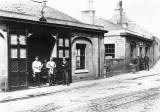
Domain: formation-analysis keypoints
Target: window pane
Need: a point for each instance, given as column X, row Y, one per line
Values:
column 23, row 53
column 60, row 42
column 80, row 59
column 66, row 42
column 60, row 53
column 14, row 40
column 82, row 53
column 78, row 52
column 22, row 40
column 67, row 53
column 77, row 65
column 14, row 53
column 110, row 50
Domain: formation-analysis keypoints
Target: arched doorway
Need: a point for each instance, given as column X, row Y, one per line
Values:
column 132, row 49
column 147, row 50
column 39, row 44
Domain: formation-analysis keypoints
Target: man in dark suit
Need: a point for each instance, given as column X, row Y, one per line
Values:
column 65, row 69
column 146, row 62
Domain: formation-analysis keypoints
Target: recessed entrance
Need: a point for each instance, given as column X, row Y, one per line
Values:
column 39, row 44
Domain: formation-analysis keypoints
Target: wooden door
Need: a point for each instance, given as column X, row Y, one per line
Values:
column 64, row 49
column 18, row 61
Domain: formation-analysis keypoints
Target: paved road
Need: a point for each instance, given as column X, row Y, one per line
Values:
column 132, row 95
column 142, row 101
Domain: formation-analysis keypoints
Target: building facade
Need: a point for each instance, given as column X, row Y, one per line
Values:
column 28, row 30
column 124, row 42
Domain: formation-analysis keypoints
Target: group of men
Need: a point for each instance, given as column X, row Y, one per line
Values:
column 48, row 68
column 142, row 63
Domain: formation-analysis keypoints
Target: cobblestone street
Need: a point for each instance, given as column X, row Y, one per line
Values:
column 115, row 94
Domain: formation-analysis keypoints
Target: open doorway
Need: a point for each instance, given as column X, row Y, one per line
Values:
column 39, row 44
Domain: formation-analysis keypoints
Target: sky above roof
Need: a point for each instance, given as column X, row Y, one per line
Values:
column 146, row 13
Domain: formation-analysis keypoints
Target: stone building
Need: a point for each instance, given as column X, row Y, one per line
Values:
column 124, row 41
column 28, row 29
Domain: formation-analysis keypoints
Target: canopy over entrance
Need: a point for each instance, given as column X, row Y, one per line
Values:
column 39, row 44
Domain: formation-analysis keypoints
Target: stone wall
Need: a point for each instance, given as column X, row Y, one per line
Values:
column 94, row 57
column 119, row 45
column 3, row 59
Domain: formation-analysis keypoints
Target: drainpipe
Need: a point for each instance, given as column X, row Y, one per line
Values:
column 99, row 65
column 153, row 52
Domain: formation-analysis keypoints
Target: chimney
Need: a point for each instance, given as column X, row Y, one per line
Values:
column 120, row 16
column 88, row 16
column 119, row 13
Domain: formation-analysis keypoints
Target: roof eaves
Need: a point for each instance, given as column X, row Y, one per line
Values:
column 134, row 35
column 32, row 19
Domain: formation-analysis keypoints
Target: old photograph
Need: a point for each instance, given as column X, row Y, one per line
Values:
column 79, row 56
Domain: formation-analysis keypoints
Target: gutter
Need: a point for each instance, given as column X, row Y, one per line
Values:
column 136, row 36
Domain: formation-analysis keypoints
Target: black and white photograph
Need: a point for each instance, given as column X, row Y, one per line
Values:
column 79, row 55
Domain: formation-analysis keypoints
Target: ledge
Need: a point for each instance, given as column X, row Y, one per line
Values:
column 81, row 71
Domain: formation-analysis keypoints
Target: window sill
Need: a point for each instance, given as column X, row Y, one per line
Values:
column 81, row 71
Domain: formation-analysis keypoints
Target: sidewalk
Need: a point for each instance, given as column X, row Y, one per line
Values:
column 35, row 92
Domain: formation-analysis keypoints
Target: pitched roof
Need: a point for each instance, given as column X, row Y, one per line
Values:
column 121, row 18
column 27, row 7
column 29, row 10
column 108, row 25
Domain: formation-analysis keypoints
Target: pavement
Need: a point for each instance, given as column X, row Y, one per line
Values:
column 48, row 90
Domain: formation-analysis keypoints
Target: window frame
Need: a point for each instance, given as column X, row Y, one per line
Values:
column 80, row 53
column 110, row 50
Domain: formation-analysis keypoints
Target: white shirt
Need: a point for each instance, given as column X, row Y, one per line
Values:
column 51, row 65
column 36, row 66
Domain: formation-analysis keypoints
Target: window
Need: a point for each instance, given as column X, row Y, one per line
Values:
column 110, row 50
column 60, row 42
column 80, row 56
column 22, row 40
column 67, row 53
column 66, row 42
column 14, row 40
column 23, row 53
column 14, row 53
column 60, row 53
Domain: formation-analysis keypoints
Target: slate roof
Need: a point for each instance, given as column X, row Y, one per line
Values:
column 108, row 25
column 29, row 10
column 28, row 7
column 131, row 28
column 129, row 25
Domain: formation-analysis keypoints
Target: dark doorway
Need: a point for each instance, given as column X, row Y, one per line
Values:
column 39, row 44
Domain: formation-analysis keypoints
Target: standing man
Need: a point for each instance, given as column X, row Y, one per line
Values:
column 146, row 62
column 137, row 63
column 141, row 63
column 36, row 67
column 65, row 68
column 51, row 65
column 44, row 73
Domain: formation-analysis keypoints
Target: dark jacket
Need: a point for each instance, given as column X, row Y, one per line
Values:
column 146, row 59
